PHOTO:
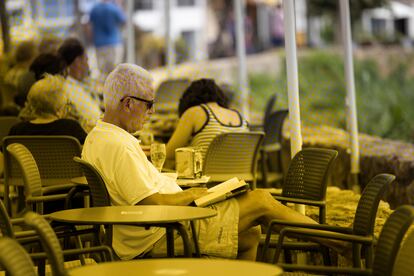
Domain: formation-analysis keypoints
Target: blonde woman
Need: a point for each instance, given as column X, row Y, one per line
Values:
column 46, row 106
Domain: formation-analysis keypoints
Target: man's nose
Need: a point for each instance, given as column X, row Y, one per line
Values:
column 152, row 109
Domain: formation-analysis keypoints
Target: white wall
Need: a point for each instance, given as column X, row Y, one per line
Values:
column 182, row 19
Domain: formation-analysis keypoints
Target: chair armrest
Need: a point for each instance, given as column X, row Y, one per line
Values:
column 344, row 230
column 271, row 147
column 71, row 252
column 325, row 234
column 57, row 188
column 33, row 199
column 24, row 234
column 300, row 201
column 312, row 233
column 326, row 269
column 101, row 248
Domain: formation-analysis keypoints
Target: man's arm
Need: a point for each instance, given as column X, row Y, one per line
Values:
column 183, row 198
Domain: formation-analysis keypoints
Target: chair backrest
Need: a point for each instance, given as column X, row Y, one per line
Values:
column 169, row 93
column 28, row 167
column 390, row 240
column 53, row 155
column 5, row 224
column 99, row 193
column 308, row 172
column 233, row 154
column 273, row 127
column 269, row 108
column 14, row 259
column 404, row 263
column 49, row 240
column 366, row 211
column 6, row 122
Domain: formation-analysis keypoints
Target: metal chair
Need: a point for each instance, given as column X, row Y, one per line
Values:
column 14, row 259
column 389, row 242
column 362, row 229
column 35, row 194
column 169, row 93
column 269, row 109
column 404, row 262
column 53, row 155
column 51, row 245
column 100, row 197
column 271, row 157
column 307, row 179
column 233, row 154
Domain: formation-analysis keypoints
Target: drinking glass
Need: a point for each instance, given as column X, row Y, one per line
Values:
column 158, row 155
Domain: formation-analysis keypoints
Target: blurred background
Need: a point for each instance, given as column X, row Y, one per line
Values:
column 203, row 34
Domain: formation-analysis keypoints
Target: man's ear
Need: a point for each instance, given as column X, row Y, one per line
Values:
column 127, row 104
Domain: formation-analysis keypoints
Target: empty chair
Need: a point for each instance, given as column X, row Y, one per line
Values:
column 404, row 262
column 53, row 156
column 362, row 229
column 389, row 242
column 51, row 245
column 271, row 151
column 14, row 259
column 233, row 154
column 269, row 109
column 307, row 178
column 35, row 194
column 169, row 92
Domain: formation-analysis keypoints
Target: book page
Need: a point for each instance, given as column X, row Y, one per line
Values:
column 224, row 186
column 220, row 192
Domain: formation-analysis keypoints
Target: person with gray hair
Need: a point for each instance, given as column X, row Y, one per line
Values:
column 132, row 180
column 46, row 107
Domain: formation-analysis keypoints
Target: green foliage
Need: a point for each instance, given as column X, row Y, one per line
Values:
column 384, row 103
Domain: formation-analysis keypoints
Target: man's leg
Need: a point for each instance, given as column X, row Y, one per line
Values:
column 258, row 207
column 248, row 243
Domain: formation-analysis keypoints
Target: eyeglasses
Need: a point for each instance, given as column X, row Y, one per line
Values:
column 148, row 102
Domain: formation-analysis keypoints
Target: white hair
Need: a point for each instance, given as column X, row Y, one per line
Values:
column 126, row 80
column 45, row 97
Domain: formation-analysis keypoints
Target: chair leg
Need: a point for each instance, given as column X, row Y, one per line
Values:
column 170, row 242
column 356, row 255
column 195, row 240
column 326, row 257
column 368, row 256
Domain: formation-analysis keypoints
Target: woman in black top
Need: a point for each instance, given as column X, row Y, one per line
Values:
column 45, row 106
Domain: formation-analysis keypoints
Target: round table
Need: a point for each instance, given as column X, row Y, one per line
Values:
column 179, row 267
column 148, row 215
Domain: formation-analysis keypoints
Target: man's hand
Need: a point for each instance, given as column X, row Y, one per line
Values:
column 146, row 150
column 197, row 192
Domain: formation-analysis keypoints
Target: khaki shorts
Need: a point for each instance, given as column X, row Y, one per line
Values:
column 217, row 236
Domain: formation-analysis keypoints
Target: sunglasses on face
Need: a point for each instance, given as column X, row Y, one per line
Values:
column 149, row 103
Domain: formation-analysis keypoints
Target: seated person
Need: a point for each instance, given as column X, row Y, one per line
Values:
column 85, row 109
column 25, row 52
column 204, row 114
column 132, row 180
column 46, row 105
column 44, row 63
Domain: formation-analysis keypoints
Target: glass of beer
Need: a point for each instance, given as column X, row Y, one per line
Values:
column 158, row 155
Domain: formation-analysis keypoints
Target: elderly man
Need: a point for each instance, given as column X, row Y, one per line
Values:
column 132, row 180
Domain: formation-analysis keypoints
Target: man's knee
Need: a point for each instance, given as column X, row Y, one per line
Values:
column 250, row 237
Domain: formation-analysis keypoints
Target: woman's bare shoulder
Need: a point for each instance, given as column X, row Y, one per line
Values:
column 196, row 111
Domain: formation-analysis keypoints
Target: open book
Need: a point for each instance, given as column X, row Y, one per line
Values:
column 223, row 191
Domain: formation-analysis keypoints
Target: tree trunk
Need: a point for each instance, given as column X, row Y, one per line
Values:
column 4, row 27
